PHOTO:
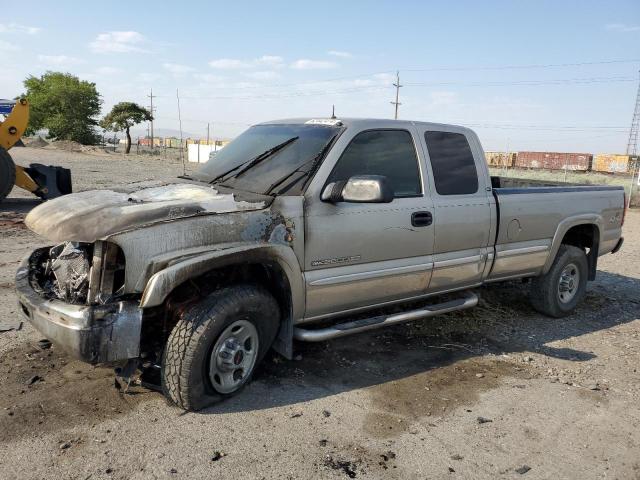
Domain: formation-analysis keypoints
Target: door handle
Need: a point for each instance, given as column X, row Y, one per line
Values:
column 421, row 219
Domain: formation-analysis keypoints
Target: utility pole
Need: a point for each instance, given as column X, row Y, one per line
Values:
column 397, row 85
column 151, row 109
column 632, row 144
column 207, row 133
column 184, row 167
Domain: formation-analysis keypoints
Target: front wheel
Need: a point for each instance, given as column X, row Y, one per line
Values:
column 558, row 292
column 214, row 348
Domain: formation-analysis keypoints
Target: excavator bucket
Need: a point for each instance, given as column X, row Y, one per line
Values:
column 44, row 181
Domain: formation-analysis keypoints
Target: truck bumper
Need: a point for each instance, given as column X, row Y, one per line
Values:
column 94, row 334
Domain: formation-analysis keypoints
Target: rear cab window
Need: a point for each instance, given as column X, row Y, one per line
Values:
column 452, row 163
column 390, row 153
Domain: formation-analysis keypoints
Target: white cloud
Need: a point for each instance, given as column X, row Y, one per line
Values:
column 59, row 60
column 17, row 28
column 263, row 75
column 177, row 69
column 338, row 53
column 270, row 60
column 229, row 64
column 306, row 64
column 622, row 27
column 118, row 42
column 8, row 47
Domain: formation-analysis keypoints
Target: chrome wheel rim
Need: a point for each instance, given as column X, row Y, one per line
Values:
column 233, row 356
column 568, row 283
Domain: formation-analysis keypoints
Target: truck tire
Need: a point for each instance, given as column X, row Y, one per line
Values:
column 214, row 348
column 558, row 292
column 7, row 173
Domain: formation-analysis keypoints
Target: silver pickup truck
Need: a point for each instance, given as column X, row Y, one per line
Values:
column 304, row 229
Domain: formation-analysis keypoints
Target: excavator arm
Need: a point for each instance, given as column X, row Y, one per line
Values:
column 44, row 181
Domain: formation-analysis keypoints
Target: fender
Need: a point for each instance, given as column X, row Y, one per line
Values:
column 165, row 281
column 564, row 226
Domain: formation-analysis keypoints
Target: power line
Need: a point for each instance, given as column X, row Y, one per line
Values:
column 517, row 67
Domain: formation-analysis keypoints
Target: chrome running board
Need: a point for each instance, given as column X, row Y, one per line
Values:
column 342, row 329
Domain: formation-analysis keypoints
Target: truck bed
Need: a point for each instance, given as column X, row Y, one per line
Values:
column 534, row 216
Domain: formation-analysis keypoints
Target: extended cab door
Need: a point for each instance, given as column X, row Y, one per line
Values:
column 358, row 255
column 463, row 206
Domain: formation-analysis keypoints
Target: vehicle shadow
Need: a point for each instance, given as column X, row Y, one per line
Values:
column 503, row 323
column 19, row 205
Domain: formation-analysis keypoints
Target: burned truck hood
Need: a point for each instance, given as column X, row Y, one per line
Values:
column 96, row 214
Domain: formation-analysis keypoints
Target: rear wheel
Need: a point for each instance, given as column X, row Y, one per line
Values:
column 558, row 292
column 214, row 348
column 7, row 173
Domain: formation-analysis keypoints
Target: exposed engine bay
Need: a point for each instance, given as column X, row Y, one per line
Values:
column 66, row 272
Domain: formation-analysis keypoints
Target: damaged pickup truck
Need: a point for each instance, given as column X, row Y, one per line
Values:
column 306, row 229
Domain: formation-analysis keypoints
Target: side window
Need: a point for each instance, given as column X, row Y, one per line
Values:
column 382, row 152
column 454, row 169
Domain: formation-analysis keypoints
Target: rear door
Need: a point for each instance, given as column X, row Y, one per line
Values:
column 463, row 207
column 358, row 255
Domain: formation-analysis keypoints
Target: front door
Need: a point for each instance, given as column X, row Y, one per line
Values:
column 356, row 252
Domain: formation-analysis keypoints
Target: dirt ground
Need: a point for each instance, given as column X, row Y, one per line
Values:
column 498, row 391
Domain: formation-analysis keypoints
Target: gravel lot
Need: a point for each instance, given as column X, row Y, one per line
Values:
column 496, row 391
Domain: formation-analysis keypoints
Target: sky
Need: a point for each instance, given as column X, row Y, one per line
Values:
column 526, row 75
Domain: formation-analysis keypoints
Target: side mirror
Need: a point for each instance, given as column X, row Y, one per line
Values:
column 359, row 189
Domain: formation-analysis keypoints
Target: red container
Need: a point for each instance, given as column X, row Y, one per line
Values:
column 580, row 162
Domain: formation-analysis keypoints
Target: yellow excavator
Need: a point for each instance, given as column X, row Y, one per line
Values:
column 45, row 181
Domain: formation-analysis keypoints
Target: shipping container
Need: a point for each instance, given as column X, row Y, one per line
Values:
column 580, row 162
column 612, row 163
column 500, row 159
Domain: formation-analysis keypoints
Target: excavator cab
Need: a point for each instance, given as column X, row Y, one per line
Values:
column 44, row 181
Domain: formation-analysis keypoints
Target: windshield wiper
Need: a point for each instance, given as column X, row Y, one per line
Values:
column 314, row 163
column 243, row 167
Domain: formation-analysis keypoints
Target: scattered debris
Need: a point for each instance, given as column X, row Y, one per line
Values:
column 456, row 457
column 348, row 467
column 323, row 442
column 451, row 470
column 34, row 379
column 480, row 375
column 217, row 455
column 6, row 326
column 173, row 471
column 296, row 415
column 44, row 344
column 65, row 445
column 523, row 469
column 482, row 420
column 297, row 358
column 326, row 413
column 12, row 220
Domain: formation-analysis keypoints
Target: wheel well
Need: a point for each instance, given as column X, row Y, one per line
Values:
column 586, row 237
column 159, row 321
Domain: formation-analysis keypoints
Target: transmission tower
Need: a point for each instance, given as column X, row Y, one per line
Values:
column 632, row 145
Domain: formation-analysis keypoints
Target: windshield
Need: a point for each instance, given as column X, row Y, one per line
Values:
column 269, row 158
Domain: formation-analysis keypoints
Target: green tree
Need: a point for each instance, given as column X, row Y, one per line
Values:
column 123, row 116
column 64, row 105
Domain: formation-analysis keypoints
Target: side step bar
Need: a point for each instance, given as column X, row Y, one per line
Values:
column 342, row 329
